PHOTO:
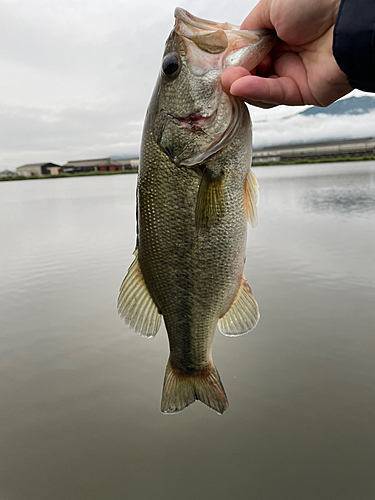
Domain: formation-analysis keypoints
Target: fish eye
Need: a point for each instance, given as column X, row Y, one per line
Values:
column 171, row 65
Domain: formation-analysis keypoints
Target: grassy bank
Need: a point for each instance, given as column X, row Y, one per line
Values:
column 301, row 161
column 78, row 174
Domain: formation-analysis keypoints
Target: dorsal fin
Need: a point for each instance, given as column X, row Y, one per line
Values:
column 135, row 305
column 251, row 199
column 243, row 315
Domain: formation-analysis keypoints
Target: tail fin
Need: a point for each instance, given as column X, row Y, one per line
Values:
column 180, row 391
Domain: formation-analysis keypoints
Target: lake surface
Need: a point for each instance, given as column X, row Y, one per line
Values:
column 80, row 392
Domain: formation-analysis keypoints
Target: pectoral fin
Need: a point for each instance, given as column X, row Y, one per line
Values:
column 210, row 200
column 243, row 315
column 135, row 305
column 251, row 199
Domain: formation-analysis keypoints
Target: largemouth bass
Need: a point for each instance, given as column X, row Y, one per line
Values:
column 195, row 194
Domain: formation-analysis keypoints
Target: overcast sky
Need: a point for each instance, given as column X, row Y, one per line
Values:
column 77, row 76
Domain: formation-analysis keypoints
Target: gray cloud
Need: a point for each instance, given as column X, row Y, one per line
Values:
column 312, row 128
column 77, row 75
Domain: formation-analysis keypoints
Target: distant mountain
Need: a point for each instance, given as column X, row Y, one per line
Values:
column 350, row 106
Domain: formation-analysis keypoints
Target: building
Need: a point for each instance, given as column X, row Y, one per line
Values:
column 101, row 165
column 315, row 150
column 7, row 173
column 38, row 169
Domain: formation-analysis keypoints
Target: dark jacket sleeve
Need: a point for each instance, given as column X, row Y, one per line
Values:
column 354, row 42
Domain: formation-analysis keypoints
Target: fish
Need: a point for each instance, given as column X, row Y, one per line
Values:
column 195, row 195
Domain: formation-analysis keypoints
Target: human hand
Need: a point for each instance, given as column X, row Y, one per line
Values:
column 301, row 68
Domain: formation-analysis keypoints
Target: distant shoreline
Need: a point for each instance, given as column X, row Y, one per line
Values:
column 78, row 174
column 300, row 161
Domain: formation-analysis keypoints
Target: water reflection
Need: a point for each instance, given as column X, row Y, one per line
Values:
column 80, row 392
column 342, row 200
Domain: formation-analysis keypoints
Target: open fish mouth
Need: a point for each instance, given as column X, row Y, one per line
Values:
column 231, row 45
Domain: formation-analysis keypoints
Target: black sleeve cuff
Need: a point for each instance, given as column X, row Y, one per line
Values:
column 354, row 42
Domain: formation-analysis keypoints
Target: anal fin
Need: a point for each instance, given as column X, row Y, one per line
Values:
column 135, row 304
column 243, row 315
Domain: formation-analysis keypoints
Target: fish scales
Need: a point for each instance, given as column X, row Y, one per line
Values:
column 181, row 266
column 194, row 196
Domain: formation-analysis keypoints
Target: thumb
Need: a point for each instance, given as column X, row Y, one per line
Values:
column 259, row 17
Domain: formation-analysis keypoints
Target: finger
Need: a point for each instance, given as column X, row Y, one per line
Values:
column 274, row 91
column 259, row 17
column 232, row 74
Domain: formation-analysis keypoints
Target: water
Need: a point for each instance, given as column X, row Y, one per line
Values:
column 80, row 392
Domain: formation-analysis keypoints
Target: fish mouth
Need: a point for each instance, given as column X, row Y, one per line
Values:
column 196, row 122
column 231, row 45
